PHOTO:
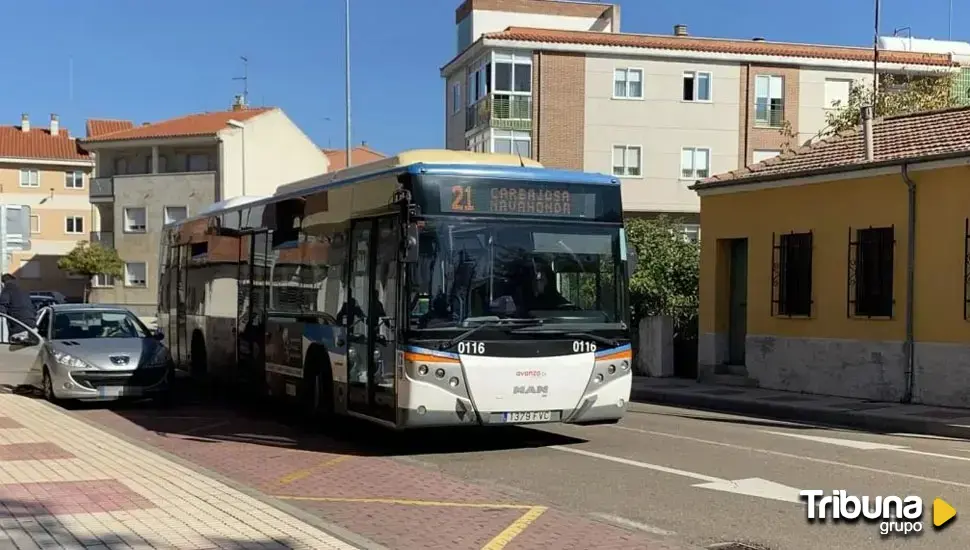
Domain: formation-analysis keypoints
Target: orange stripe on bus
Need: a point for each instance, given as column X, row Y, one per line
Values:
column 628, row 355
column 424, row 358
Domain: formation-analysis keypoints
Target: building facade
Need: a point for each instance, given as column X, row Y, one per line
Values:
column 557, row 81
column 44, row 168
column 815, row 276
column 154, row 174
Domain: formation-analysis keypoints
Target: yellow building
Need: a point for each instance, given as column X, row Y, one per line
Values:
column 808, row 282
column 42, row 167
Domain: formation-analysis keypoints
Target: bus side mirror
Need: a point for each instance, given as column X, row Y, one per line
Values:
column 631, row 263
column 411, row 243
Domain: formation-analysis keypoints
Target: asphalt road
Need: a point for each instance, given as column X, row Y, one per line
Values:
column 675, row 476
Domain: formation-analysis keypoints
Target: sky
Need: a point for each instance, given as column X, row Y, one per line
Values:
column 150, row 60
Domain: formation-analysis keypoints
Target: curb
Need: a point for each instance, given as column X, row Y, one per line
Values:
column 819, row 416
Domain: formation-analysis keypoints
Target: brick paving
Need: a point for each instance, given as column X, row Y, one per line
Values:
column 66, row 484
column 391, row 502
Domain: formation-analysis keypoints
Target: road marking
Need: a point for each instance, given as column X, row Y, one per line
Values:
column 851, row 443
column 623, row 522
column 409, row 502
column 204, row 427
column 797, row 457
column 307, row 472
column 515, row 529
column 639, row 464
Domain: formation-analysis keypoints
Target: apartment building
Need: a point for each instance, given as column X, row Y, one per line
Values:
column 157, row 173
column 361, row 154
column 558, row 81
column 44, row 168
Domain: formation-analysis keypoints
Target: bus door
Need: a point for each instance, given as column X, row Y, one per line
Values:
column 251, row 340
column 370, row 314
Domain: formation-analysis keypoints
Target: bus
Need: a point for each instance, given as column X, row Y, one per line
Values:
column 432, row 288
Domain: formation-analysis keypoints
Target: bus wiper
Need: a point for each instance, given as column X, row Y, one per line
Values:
column 489, row 324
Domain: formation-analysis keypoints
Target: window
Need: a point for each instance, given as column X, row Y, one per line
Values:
column 135, row 220
column 626, row 160
column 121, row 166
column 692, row 232
column 29, row 177
column 175, row 213
column 871, row 272
column 769, row 100
column 102, row 281
column 792, row 295
column 513, row 73
column 479, row 81
column 198, row 163
column 74, row 180
column 695, row 163
column 628, row 84
column 697, row 86
column 456, row 98
column 478, row 143
column 512, row 142
column 764, row 154
column 837, row 92
column 74, row 225
column 135, row 274
column 44, row 324
column 29, row 269
column 35, row 224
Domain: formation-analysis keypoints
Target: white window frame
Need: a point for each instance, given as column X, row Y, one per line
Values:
column 625, row 173
column 513, row 59
column 77, row 179
column 693, row 162
column 32, row 218
column 33, row 178
column 695, row 75
column 20, row 269
column 456, row 103
column 67, row 219
column 165, row 217
column 512, row 137
column 472, row 93
column 101, row 280
column 828, row 104
column 627, row 71
column 770, row 78
column 126, row 218
column 479, row 142
column 691, row 231
column 128, row 282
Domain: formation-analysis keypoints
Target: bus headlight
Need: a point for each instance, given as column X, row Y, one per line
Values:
column 611, row 369
column 599, row 378
column 423, row 370
column 453, row 381
column 625, row 365
column 439, row 372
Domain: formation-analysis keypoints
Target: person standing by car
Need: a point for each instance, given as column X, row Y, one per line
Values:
column 16, row 303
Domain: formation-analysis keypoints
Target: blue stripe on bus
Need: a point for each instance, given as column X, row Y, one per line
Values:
column 611, row 351
column 527, row 173
column 427, row 351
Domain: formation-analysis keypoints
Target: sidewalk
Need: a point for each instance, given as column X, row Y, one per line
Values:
column 855, row 413
column 65, row 484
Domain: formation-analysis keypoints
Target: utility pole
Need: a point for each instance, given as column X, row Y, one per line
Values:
column 875, row 61
column 347, row 79
column 245, row 79
column 949, row 23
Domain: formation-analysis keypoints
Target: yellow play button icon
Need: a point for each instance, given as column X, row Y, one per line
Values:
column 942, row 512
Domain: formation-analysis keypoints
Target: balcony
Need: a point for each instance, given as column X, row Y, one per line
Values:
column 104, row 238
column 504, row 111
column 102, row 189
column 771, row 114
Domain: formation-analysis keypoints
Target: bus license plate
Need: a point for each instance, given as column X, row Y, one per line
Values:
column 528, row 416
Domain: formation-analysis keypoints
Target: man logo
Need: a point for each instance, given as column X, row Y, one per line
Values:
column 535, row 390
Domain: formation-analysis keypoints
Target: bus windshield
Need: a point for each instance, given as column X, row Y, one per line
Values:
column 471, row 270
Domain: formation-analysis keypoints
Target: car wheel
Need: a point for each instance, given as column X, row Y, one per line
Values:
column 48, row 384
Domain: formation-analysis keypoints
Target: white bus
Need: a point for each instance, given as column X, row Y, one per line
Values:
column 433, row 288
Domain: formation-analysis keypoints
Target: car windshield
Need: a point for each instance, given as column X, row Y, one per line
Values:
column 509, row 269
column 83, row 325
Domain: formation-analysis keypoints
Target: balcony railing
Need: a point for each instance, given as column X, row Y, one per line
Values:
column 505, row 111
column 102, row 188
column 104, row 238
column 770, row 114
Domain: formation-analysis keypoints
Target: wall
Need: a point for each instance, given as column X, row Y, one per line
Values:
column 558, row 112
column 812, row 106
column 476, row 17
column 662, row 123
column 754, row 136
column 277, row 152
column 455, row 119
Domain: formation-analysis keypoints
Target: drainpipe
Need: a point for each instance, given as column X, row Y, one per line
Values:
column 908, row 346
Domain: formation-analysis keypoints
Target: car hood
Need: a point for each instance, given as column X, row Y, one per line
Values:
column 110, row 353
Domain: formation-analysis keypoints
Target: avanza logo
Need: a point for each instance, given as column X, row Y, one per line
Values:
column 536, row 390
column 530, row 373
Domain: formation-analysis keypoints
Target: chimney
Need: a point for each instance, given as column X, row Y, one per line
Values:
column 867, row 141
column 25, row 122
column 680, row 30
column 55, row 124
column 238, row 103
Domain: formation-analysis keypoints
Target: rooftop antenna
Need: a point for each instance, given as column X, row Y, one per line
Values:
column 245, row 79
column 521, row 162
column 875, row 60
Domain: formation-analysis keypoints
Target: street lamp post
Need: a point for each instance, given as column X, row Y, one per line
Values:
column 347, row 77
column 242, row 128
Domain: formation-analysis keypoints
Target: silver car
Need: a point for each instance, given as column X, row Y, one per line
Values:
column 90, row 352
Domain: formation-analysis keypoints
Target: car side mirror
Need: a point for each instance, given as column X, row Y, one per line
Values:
column 411, row 252
column 631, row 262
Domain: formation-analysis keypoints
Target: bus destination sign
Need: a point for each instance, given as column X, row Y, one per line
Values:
column 517, row 200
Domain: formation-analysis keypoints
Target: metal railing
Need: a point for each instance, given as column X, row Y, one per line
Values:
column 102, row 188
column 772, row 114
column 505, row 111
column 104, row 238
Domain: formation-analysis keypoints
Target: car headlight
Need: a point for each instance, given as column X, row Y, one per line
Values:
column 159, row 359
column 69, row 360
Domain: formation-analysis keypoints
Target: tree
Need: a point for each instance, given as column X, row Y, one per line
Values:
column 667, row 275
column 898, row 95
column 88, row 260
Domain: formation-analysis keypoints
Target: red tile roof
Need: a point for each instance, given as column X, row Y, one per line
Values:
column 203, row 124
column 39, row 144
column 918, row 136
column 716, row 45
column 96, row 127
column 361, row 154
